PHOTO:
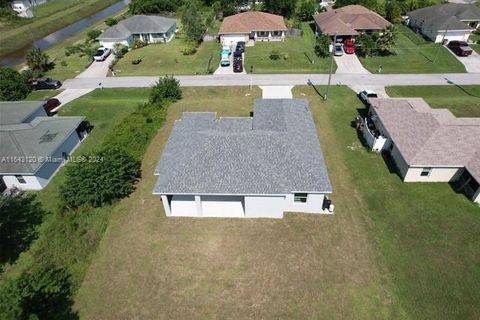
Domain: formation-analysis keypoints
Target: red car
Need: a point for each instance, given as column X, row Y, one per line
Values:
column 349, row 46
column 51, row 104
column 460, row 48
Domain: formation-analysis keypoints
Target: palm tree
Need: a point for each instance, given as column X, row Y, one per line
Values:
column 37, row 60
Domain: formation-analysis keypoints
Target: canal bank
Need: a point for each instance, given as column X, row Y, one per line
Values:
column 52, row 30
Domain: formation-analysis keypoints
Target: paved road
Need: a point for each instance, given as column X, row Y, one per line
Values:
column 364, row 80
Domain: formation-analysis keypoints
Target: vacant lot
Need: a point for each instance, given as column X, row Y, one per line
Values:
column 413, row 54
column 463, row 101
column 296, row 56
column 300, row 267
column 167, row 58
column 51, row 16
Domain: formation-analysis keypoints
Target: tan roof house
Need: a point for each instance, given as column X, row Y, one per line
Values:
column 427, row 145
column 252, row 26
column 349, row 21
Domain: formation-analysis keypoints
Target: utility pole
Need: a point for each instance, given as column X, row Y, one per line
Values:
column 441, row 44
column 331, row 66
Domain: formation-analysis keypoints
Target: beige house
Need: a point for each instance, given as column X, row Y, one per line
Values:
column 427, row 145
column 252, row 26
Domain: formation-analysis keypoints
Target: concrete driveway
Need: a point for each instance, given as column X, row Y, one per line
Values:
column 97, row 69
column 349, row 63
column 229, row 70
column 277, row 92
column 471, row 63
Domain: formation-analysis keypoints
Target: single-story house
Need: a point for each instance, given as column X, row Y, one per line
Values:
column 252, row 167
column 427, row 145
column 23, row 7
column 349, row 21
column 34, row 145
column 449, row 21
column 149, row 29
column 252, row 26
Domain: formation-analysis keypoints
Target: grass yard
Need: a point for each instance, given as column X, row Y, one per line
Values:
column 414, row 55
column 167, row 58
column 42, row 95
column 426, row 234
column 296, row 56
column 51, row 16
column 463, row 101
column 300, row 267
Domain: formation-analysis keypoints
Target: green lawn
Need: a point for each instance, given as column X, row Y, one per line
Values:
column 414, row 55
column 167, row 58
column 297, row 55
column 42, row 94
column 463, row 101
column 53, row 16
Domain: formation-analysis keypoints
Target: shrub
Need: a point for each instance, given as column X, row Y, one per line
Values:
column 63, row 63
column 102, row 178
column 138, row 43
column 93, row 34
column 42, row 293
column 119, row 50
column 275, row 55
column 322, row 47
column 21, row 214
column 166, row 88
column 136, row 61
column 111, row 21
column 190, row 48
column 13, row 85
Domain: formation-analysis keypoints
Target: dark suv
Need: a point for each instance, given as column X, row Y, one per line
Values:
column 45, row 83
column 460, row 48
column 237, row 62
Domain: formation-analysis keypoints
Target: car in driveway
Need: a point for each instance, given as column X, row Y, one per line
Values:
column 240, row 46
column 460, row 48
column 337, row 49
column 349, row 46
column 225, row 61
column 102, row 54
column 226, row 50
column 45, row 84
column 51, row 104
column 237, row 62
column 366, row 95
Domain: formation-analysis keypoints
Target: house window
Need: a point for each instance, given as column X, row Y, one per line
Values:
column 21, row 180
column 300, row 197
column 425, row 172
column 277, row 33
column 262, row 33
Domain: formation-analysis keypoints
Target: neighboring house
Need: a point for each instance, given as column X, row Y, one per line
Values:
column 23, row 7
column 348, row 22
column 253, row 167
column 450, row 21
column 254, row 26
column 149, row 29
column 427, row 145
column 34, row 145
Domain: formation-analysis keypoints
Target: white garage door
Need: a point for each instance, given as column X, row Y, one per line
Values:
column 183, row 206
column 222, row 206
column 232, row 39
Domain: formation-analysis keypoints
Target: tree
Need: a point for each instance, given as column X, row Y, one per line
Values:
column 13, row 85
column 42, row 293
column 306, row 9
column 166, row 88
column 100, row 178
column 285, row 8
column 111, row 21
column 365, row 45
column 93, row 34
column 153, row 6
column 21, row 214
column 322, row 47
column 393, row 11
column 192, row 21
column 37, row 60
column 386, row 41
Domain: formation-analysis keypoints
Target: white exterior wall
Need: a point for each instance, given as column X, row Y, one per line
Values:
column 221, row 206
column 476, row 197
column 451, row 36
column 264, row 206
column 436, row 175
column 313, row 205
column 111, row 43
column 47, row 171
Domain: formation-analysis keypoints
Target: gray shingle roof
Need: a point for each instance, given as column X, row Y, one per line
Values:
column 12, row 112
column 39, row 138
column 275, row 152
column 138, row 24
column 449, row 15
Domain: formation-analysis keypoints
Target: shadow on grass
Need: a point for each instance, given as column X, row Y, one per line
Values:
column 461, row 88
column 310, row 83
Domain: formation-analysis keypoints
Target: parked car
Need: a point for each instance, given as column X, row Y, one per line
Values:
column 237, row 62
column 51, row 104
column 337, row 49
column 226, row 50
column 102, row 54
column 225, row 62
column 240, row 46
column 349, row 46
column 237, row 54
column 366, row 95
column 45, row 83
column 460, row 48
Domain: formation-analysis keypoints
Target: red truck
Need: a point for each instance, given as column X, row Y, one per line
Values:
column 460, row 48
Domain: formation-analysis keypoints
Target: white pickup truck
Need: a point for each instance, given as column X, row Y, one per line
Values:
column 102, row 54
